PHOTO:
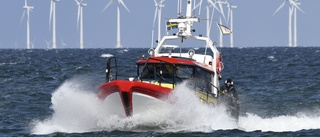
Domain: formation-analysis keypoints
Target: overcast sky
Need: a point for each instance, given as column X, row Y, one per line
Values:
column 254, row 23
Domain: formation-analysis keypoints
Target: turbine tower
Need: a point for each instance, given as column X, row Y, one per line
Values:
column 120, row 2
column 220, row 3
column 230, row 18
column 157, row 13
column 80, row 20
column 294, row 5
column 27, row 9
column 52, row 20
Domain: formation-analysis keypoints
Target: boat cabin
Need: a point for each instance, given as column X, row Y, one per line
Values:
column 169, row 72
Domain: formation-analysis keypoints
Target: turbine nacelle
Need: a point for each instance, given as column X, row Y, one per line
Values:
column 30, row 8
column 79, row 3
column 120, row 2
column 159, row 4
column 293, row 3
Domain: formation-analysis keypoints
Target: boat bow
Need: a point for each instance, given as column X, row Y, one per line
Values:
column 126, row 88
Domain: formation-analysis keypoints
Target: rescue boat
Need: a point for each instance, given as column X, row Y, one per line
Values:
column 167, row 66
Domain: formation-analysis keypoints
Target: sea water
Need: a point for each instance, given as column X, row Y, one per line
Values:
column 54, row 92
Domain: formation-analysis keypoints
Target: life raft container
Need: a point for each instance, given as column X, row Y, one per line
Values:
column 219, row 64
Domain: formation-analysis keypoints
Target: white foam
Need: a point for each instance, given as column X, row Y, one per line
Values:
column 279, row 123
column 106, row 55
column 78, row 111
column 272, row 58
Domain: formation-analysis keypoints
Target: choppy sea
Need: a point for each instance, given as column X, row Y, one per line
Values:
column 54, row 93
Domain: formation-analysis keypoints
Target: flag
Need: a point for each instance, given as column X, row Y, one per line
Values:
column 172, row 25
column 224, row 30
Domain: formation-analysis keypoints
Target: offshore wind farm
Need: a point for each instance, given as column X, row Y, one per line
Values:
column 252, row 26
column 52, row 70
column 293, row 7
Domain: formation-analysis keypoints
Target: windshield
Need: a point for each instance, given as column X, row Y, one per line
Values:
column 166, row 72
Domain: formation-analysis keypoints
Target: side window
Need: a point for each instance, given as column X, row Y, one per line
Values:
column 185, row 72
column 202, row 80
column 146, row 72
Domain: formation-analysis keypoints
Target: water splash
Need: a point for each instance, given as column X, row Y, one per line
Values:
column 78, row 109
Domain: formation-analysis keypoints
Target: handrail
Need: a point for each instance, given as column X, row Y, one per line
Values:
column 113, row 67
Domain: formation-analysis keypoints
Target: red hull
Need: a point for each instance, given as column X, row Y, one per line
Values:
column 125, row 88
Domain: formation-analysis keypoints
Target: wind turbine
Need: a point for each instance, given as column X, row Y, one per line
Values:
column 214, row 7
column 157, row 12
column 27, row 9
column 230, row 16
column 52, row 20
column 221, row 3
column 294, row 5
column 120, row 2
column 80, row 20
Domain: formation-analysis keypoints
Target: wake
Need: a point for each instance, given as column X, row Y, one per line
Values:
column 300, row 121
column 77, row 109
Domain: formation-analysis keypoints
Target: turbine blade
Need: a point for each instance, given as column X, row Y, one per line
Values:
column 78, row 3
column 211, row 21
column 124, row 5
column 280, row 7
column 229, row 12
column 300, row 9
column 214, row 6
column 295, row 4
column 222, row 12
column 51, row 10
column 78, row 15
column 198, row 5
column 155, row 16
column 109, row 3
column 31, row 8
column 24, row 12
column 78, row 18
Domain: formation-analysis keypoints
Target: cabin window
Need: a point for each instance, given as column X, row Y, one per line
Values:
column 202, row 80
column 147, row 72
column 164, row 72
column 184, row 72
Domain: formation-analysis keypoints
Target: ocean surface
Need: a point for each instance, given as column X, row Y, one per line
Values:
column 54, row 93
